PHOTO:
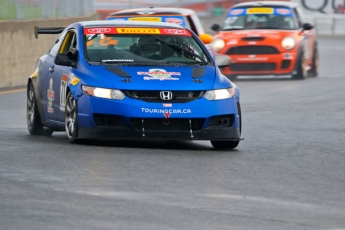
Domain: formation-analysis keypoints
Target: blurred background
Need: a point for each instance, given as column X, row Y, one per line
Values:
column 327, row 15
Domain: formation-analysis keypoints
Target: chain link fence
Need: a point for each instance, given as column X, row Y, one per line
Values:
column 40, row 9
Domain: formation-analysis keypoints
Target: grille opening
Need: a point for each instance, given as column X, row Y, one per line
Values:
column 252, row 66
column 164, row 124
column 285, row 64
column 222, row 121
column 154, row 95
column 253, row 39
column 107, row 120
column 251, row 50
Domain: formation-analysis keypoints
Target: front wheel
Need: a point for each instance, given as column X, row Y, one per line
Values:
column 71, row 118
column 230, row 144
column 301, row 68
column 314, row 71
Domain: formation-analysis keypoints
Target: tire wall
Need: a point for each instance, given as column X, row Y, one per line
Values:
column 20, row 49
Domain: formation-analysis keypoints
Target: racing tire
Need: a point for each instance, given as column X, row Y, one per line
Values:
column 35, row 126
column 301, row 68
column 229, row 144
column 315, row 68
column 71, row 118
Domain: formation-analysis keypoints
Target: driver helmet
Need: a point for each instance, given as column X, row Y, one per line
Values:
column 148, row 47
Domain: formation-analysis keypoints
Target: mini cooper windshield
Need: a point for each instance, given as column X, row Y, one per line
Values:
column 260, row 18
column 135, row 46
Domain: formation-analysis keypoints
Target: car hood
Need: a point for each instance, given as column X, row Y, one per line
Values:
column 151, row 78
column 267, row 34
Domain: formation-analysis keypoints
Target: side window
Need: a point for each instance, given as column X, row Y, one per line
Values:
column 69, row 42
column 197, row 23
column 55, row 48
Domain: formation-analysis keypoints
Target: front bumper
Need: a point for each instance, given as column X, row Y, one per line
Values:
column 273, row 64
column 134, row 119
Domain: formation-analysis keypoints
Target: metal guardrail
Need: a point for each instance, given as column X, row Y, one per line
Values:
column 328, row 24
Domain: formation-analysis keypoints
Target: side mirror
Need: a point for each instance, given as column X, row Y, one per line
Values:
column 307, row 26
column 215, row 27
column 68, row 59
column 222, row 60
column 206, row 38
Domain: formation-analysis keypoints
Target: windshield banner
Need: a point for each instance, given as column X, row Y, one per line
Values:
column 260, row 10
column 171, row 19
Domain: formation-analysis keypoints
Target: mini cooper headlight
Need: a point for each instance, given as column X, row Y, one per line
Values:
column 103, row 93
column 218, row 44
column 219, row 94
column 288, row 43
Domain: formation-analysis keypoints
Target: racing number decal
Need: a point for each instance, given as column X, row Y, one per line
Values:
column 63, row 92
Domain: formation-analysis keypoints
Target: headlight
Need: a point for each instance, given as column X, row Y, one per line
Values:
column 218, row 44
column 219, row 94
column 288, row 43
column 103, row 93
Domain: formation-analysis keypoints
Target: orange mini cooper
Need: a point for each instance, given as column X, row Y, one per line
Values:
column 267, row 38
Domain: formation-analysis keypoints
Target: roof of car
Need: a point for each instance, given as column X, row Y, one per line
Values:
column 154, row 11
column 267, row 3
column 129, row 23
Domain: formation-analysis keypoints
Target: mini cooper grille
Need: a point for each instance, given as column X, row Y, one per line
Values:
column 154, row 96
column 163, row 124
column 253, row 66
column 248, row 50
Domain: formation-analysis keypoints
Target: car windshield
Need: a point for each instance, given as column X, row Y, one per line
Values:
column 259, row 18
column 138, row 46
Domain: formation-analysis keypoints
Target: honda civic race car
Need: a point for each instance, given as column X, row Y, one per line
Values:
column 132, row 80
column 267, row 38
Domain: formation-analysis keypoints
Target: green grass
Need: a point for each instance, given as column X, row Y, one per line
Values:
column 8, row 11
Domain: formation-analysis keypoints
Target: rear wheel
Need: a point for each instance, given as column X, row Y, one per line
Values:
column 229, row 144
column 33, row 117
column 301, row 68
column 71, row 118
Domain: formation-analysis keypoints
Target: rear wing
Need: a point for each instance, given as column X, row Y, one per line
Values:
column 47, row 30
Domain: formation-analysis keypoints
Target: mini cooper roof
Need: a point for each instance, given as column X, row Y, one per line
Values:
column 267, row 3
column 154, row 11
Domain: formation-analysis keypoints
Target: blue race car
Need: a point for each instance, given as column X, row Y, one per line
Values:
column 132, row 80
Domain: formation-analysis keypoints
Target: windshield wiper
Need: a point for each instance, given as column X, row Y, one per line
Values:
column 182, row 49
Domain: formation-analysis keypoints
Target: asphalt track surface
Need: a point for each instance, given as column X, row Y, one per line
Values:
column 288, row 173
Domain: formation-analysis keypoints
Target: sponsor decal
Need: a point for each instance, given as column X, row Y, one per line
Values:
column 260, row 10
column 167, row 114
column 232, row 42
column 174, row 31
column 117, row 60
column 159, row 74
column 99, row 30
column 147, row 19
column 75, row 81
column 253, row 58
column 50, row 96
column 283, row 11
column 166, row 111
column 138, row 31
column 174, row 20
column 167, row 105
column 236, row 12
column 63, row 90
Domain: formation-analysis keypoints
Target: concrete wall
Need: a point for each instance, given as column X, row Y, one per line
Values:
column 19, row 49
